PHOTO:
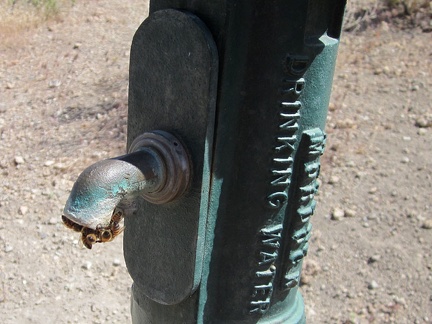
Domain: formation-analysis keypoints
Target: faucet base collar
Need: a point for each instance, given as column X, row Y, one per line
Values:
column 176, row 162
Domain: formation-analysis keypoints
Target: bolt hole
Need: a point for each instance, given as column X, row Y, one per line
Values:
column 175, row 144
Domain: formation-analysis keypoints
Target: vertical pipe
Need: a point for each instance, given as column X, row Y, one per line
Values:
column 276, row 62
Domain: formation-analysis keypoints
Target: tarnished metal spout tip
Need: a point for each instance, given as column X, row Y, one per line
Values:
column 101, row 187
column 158, row 169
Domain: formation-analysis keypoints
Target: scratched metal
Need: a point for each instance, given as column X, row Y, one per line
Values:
column 102, row 186
column 172, row 87
column 276, row 66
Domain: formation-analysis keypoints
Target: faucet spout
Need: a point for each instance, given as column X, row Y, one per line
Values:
column 102, row 186
column 158, row 168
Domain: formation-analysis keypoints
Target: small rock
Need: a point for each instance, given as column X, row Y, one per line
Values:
column 19, row 160
column 116, row 262
column 374, row 258
column 60, row 166
column 23, row 210
column 359, row 174
column 423, row 122
column 333, row 180
column 350, row 213
column 384, row 26
column 371, row 217
column 399, row 300
column 420, row 218
column 405, row 159
column 54, row 83
column 87, row 265
column 422, row 131
column 378, row 71
column 337, row 214
column 427, row 224
column 373, row 285
column 310, row 270
column 320, row 248
column 8, row 248
column 4, row 164
column 411, row 214
column 77, row 45
column 350, row 164
column 344, row 124
column 48, row 163
column 373, row 190
column 53, row 220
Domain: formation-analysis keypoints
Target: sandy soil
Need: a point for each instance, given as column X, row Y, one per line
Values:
column 63, row 106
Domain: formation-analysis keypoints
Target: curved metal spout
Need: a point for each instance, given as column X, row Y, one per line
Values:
column 101, row 187
column 158, row 169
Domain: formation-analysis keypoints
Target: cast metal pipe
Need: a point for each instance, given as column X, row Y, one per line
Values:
column 247, row 85
column 275, row 69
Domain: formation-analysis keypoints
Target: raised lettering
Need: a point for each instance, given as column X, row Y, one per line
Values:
column 291, row 280
column 267, row 258
column 290, row 125
column 297, row 65
column 294, row 105
column 271, row 237
column 260, row 306
column 295, row 87
column 276, row 199
column 288, row 142
column 269, row 273
column 308, row 174
column 263, row 288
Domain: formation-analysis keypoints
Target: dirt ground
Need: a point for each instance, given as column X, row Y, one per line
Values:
column 63, row 106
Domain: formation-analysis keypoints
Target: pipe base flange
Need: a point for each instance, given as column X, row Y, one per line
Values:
column 176, row 162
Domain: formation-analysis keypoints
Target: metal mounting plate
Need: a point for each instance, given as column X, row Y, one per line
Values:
column 172, row 87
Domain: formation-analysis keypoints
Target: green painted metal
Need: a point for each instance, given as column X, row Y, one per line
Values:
column 172, row 87
column 250, row 207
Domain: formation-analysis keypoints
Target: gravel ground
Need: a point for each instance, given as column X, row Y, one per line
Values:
column 63, row 106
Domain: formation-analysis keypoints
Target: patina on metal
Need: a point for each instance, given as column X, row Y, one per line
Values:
column 275, row 74
column 245, row 85
column 157, row 168
column 174, row 160
column 173, row 87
